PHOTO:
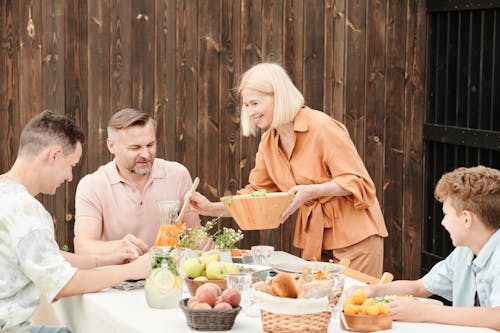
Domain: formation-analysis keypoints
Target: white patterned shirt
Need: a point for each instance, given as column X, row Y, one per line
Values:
column 30, row 261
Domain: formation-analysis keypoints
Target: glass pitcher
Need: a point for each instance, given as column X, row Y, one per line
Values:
column 168, row 234
column 163, row 286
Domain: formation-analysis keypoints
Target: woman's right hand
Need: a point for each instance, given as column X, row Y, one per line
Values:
column 202, row 206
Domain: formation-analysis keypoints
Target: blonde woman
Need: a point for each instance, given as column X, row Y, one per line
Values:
column 311, row 155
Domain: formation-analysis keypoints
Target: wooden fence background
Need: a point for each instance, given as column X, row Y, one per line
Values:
column 362, row 62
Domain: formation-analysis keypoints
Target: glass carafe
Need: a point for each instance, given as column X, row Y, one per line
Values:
column 168, row 234
column 163, row 286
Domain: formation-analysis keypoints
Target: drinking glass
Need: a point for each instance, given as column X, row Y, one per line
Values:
column 243, row 283
column 262, row 254
column 335, row 293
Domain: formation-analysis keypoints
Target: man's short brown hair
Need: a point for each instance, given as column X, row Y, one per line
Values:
column 126, row 118
column 49, row 128
column 476, row 189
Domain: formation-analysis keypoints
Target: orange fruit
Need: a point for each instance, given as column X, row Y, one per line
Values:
column 350, row 309
column 362, row 309
column 383, row 308
column 372, row 310
column 369, row 301
column 359, row 296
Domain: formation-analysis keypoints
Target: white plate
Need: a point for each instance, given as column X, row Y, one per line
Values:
column 296, row 267
column 260, row 272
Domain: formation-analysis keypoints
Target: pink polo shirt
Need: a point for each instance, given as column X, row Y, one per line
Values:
column 104, row 195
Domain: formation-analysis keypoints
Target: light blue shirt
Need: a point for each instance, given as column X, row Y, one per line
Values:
column 458, row 276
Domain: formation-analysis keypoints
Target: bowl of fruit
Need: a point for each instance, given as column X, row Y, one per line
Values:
column 210, row 309
column 362, row 314
column 206, row 268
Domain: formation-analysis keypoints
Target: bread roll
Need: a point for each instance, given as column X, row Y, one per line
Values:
column 283, row 285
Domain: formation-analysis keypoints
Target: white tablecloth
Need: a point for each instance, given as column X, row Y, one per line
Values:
column 114, row 310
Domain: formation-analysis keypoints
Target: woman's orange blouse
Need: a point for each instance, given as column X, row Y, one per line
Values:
column 321, row 151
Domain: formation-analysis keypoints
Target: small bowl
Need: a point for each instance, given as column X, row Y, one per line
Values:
column 192, row 285
column 365, row 323
column 258, row 213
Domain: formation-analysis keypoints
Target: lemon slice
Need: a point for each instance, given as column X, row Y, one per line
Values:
column 162, row 279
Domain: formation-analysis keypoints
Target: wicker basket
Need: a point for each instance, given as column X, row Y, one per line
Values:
column 281, row 323
column 209, row 320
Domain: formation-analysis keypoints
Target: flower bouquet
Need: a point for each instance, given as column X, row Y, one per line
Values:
column 197, row 237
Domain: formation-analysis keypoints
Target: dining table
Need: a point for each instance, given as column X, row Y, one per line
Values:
column 126, row 311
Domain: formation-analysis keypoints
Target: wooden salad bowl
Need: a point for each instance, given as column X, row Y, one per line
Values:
column 258, row 213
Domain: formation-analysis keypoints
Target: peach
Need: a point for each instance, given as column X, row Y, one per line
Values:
column 231, row 296
column 214, row 286
column 223, row 306
column 218, row 299
column 206, row 296
column 192, row 301
column 202, row 306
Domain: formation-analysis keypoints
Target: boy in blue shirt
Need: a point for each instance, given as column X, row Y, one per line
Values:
column 470, row 276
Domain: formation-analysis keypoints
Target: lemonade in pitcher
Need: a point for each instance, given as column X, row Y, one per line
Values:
column 169, row 231
column 163, row 286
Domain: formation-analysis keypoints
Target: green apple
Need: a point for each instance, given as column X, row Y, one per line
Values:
column 200, row 278
column 231, row 268
column 216, row 270
column 209, row 257
column 192, row 267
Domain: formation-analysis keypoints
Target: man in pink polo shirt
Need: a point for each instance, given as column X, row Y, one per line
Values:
column 115, row 207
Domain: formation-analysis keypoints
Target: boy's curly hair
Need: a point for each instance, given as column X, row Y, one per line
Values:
column 476, row 189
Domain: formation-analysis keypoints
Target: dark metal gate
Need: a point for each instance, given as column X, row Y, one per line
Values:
column 462, row 125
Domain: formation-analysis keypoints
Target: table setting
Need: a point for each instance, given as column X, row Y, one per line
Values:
column 258, row 289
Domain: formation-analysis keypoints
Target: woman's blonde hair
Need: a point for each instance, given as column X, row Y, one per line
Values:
column 271, row 79
column 475, row 189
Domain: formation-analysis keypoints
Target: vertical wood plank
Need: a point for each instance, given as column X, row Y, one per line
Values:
column 314, row 14
column 293, row 41
column 328, row 52
column 31, row 31
column 251, row 53
column 121, row 55
column 272, row 51
column 375, row 92
column 229, row 133
column 413, row 146
column 165, row 77
column 53, row 89
column 186, row 82
column 76, row 85
column 209, row 48
column 293, row 55
column 142, row 55
column 272, row 30
column 339, row 59
column 394, row 138
column 98, row 26
column 9, row 83
column 53, row 55
column 355, row 72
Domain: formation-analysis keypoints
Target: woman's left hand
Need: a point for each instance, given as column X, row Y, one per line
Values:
column 302, row 193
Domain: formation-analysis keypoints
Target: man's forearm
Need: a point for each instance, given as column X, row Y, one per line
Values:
column 96, row 247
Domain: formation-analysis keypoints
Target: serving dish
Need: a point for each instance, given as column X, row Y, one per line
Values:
column 258, row 212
